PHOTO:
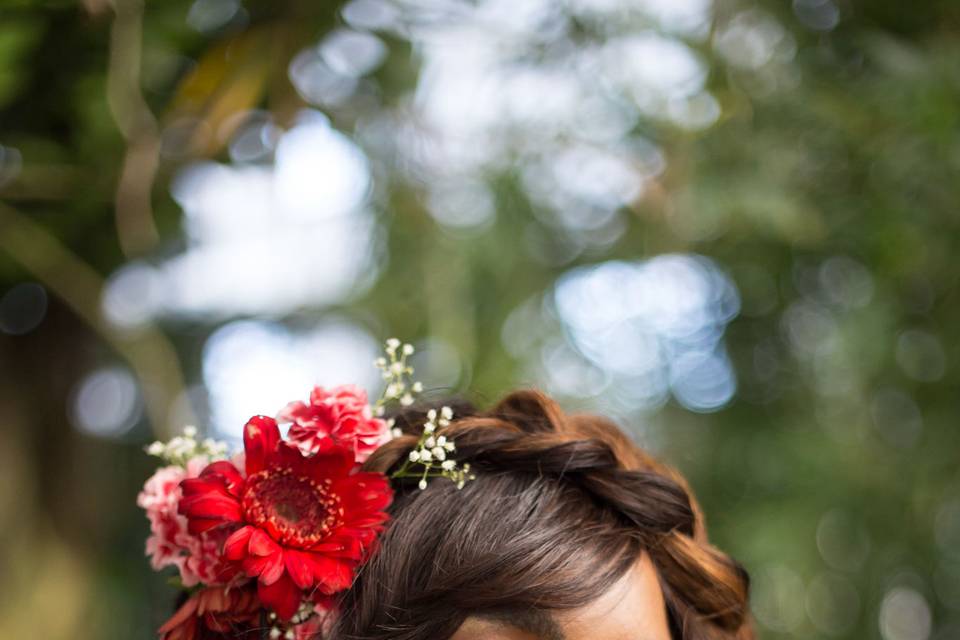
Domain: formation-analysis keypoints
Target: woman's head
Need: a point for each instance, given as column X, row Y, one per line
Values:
column 565, row 513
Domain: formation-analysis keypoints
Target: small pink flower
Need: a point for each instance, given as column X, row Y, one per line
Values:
column 311, row 629
column 197, row 557
column 341, row 413
column 320, row 624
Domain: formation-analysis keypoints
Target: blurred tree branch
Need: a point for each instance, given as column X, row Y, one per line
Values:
column 48, row 182
column 136, row 229
column 147, row 351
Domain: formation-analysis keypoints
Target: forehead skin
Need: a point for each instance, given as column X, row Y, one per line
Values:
column 632, row 609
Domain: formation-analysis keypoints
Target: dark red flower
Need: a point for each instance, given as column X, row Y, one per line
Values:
column 341, row 413
column 214, row 613
column 302, row 523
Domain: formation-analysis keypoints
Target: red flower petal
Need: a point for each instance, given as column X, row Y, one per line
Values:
column 293, row 411
column 330, row 574
column 204, row 485
column 206, row 503
column 235, row 547
column 267, row 568
column 210, row 505
column 273, row 570
column 219, row 611
column 260, row 438
column 262, row 544
column 196, row 526
column 331, row 460
column 369, row 491
column 346, row 543
column 282, row 596
column 184, row 613
column 318, row 395
column 289, row 455
column 298, row 568
column 228, row 473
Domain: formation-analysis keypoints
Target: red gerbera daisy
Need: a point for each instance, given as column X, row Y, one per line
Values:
column 303, row 523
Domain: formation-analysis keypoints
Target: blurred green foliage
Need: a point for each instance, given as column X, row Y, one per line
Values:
column 826, row 187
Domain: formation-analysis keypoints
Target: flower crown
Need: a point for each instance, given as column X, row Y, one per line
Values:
column 263, row 540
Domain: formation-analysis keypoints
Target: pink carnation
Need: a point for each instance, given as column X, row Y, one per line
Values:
column 197, row 557
column 341, row 413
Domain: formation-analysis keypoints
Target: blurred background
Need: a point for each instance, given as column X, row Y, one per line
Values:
column 730, row 224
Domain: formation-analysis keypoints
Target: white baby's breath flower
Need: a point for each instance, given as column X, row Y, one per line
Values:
column 180, row 449
column 430, row 458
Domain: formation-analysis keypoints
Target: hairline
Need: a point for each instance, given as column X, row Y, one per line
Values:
column 538, row 622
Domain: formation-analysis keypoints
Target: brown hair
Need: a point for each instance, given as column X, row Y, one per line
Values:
column 561, row 508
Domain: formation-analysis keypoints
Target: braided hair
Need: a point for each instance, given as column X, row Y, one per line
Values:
column 562, row 506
